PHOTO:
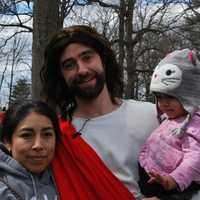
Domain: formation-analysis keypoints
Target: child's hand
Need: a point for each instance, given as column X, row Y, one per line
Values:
column 166, row 181
column 151, row 198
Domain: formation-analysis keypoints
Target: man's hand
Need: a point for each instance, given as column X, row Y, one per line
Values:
column 166, row 181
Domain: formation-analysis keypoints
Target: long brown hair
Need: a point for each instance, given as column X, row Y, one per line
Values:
column 55, row 90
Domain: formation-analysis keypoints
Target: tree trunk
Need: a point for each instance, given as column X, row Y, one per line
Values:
column 131, row 73
column 45, row 23
column 122, row 13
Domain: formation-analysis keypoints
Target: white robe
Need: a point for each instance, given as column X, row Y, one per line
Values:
column 117, row 138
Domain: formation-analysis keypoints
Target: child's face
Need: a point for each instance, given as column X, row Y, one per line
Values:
column 170, row 106
column 33, row 142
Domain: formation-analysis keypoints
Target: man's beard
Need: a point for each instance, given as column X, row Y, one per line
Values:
column 88, row 93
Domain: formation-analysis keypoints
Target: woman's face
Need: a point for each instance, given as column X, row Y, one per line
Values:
column 33, row 142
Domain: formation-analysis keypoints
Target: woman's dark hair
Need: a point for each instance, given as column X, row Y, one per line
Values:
column 55, row 90
column 15, row 114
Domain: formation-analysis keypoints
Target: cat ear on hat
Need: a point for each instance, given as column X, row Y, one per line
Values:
column 192, row 57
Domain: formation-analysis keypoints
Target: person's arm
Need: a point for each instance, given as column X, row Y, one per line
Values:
column 151, row 198
column 189, row 169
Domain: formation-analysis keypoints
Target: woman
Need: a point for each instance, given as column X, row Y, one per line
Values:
column 29, row 132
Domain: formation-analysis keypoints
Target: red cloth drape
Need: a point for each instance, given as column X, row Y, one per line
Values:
column 79, row 172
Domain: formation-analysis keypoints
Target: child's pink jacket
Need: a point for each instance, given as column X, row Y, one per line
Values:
column 178, row 157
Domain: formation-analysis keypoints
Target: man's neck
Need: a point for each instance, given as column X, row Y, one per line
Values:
column 101, row 105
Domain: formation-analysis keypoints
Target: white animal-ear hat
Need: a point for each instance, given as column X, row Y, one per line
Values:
column 178, row 75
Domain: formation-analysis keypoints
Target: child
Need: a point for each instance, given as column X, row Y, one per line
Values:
column 169, row 162
column 30, row 132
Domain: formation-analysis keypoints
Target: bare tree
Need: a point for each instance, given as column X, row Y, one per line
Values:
column 3, row 72
column 47, row 16
column 143, row 18
column 13, row 17
column 191, row 27
column 15, row 59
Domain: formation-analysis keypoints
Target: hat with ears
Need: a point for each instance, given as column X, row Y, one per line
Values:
column 178, row 75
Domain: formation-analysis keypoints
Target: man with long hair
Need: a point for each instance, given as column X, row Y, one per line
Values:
column 101, row 133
